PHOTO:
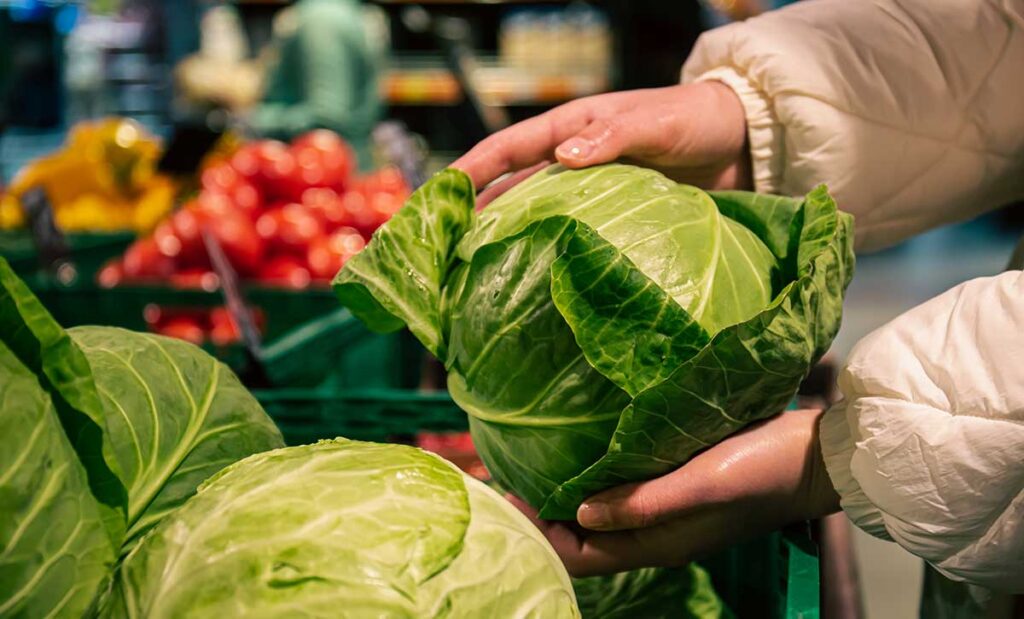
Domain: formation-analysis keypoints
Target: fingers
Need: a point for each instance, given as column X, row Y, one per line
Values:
column 524, row 144
column 770, row 462
column 637, row 506
column 494, row 190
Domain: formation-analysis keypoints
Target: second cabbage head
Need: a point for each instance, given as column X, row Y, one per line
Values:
column 601, row 326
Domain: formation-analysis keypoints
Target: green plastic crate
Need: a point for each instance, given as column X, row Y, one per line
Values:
column 776, row 576
column 308, row 341
column 88, row 251
column 383, row 415
column 336, row 352
column 124, row 306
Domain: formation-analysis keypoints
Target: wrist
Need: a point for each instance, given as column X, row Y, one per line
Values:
column 820, row 496
column 737, row 142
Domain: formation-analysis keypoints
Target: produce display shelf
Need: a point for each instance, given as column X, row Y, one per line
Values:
column 87, row 251
column 387, row 415
column 497, row 85
column 125, row 305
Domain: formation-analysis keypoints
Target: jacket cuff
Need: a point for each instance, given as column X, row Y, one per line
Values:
column 764, row 131
column 837, row 448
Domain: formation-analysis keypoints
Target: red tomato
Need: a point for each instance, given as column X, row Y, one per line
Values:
column 213, row 203
column 386, row 204
column 271, row 166
column 327, row 255
column 221, row 178
column 186, row 225
column 286, row 272
column 143, row 260
column 223, row 329
column 290, row 228
column 184, row 328
column 359, row 213
column 326, row 205
column 239, row 240
column 166, row 241
column 247, row 198
column 111, row 274
column 195, row 279
column 386, row 180
column 323, row 159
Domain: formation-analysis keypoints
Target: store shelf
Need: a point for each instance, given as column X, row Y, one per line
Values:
column 498, row 85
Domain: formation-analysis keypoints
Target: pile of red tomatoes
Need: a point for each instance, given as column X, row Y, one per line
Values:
column 285, row 216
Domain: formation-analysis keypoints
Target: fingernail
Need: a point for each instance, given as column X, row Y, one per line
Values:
column 574, row 148
column 594, row 515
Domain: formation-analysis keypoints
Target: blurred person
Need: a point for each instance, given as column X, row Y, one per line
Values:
column 220, row 73
column 324, row 75
column 911, row 111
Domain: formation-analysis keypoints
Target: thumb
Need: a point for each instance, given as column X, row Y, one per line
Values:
column 642, row 505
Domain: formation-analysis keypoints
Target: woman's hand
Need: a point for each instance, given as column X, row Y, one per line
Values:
column 756, row 481
column 694, row 133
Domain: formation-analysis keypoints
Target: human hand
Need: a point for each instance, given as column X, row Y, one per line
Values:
column 694, row 133
column 753, row 482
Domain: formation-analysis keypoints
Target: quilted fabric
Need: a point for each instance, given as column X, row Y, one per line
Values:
column 912, row 111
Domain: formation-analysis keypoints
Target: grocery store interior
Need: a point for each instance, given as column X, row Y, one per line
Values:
column 202, row 170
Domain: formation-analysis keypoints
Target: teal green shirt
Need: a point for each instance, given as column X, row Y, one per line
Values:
column 325, row 76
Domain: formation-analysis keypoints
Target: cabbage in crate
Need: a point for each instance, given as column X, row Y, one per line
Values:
column 601, row 326
column 344, row 528
column 106, row 434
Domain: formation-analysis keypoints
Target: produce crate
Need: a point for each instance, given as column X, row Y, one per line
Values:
column 775, row 577
column 383, row 415
column 124, row 306
column 88, row 251
column 308, row 341
column 336, row 352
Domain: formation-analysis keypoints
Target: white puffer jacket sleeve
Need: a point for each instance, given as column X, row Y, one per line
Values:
column 927, row 445
column 911, row 110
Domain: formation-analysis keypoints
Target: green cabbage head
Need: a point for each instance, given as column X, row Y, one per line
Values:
column 344, row 528
column 601, row 326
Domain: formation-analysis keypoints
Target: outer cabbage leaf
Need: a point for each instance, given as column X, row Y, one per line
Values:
column 650, row 593
column 54, row 548
column 174, row 415
column 747, row 372
column 371, row 529
column 506, row 568
column 397, row 280
column 44, row 347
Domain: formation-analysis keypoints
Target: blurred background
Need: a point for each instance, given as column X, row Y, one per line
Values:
column 296, row 129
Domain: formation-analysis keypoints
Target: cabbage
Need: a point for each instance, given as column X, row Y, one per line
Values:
column 651, row 593
column 601, row 326
column 106, row 438
column 376, row 530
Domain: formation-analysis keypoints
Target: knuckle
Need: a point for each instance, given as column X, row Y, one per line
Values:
column 646, row 507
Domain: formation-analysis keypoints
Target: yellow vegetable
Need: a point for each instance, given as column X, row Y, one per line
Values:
column 104, row 178
column 11, row 216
